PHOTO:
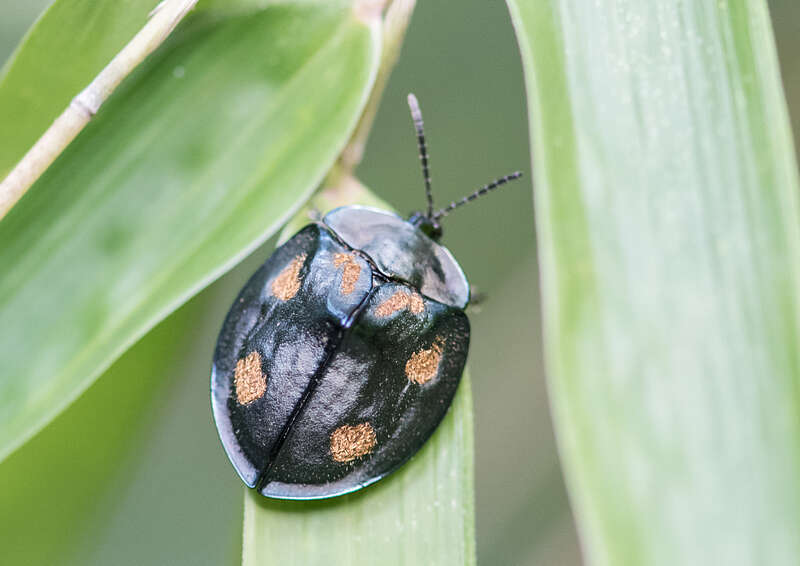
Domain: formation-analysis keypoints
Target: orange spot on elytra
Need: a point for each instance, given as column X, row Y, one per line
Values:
column 351, row 442
column 249, row 381
column 423, row 365
column 398, row 301
column 350, row 273
column 287, row 283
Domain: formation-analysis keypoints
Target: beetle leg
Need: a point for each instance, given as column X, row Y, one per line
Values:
column 476, row 301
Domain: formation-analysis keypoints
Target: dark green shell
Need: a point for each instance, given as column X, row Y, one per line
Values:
column 340, row 356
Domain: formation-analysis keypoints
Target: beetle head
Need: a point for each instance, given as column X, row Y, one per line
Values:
column 427, row 226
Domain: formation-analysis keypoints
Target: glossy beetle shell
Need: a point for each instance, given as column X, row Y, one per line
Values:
column 340, row 356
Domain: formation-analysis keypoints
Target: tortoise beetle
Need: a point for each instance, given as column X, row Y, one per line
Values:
column 342, row 353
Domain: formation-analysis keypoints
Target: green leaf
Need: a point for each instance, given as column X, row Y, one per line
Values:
column 61, row 488
column 422, row 514
column 667, row 210
column 201, row 154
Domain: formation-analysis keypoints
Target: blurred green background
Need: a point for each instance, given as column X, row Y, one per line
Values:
column 175, row 498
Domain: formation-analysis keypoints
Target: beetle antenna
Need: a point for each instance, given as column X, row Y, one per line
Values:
column 480, row 192
column 416, row 115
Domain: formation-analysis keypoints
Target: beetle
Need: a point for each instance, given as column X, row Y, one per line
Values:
column 343, row 352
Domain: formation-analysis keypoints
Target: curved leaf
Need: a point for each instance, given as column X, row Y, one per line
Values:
column 669, row 241
column 200, row 155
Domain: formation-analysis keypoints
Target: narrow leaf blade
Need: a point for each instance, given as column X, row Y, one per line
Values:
column 422, row 514
column 666, row 191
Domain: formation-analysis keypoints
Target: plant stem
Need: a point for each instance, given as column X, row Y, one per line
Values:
column 398, row 16
column 85, row 105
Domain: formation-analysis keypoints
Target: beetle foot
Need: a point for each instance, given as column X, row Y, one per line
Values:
column 477, row 300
